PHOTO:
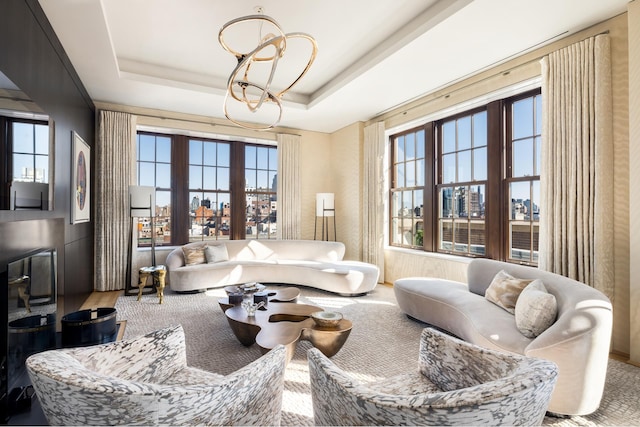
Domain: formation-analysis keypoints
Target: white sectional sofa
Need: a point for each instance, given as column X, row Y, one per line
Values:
column 577, row 341
column 316, row 264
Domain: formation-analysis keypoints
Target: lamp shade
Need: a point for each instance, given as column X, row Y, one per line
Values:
column 142, row 201
column 325, row 204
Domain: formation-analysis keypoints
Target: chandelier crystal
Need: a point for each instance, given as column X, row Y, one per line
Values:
column 269, row 50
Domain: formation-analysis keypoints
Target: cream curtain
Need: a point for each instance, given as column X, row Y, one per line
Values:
column 289, row 215
column 373, row 206
column 115, row 171
column 576, row 227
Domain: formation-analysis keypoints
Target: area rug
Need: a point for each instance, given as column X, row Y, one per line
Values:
column 383, row 342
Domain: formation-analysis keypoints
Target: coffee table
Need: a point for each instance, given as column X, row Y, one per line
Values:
column 285, row 323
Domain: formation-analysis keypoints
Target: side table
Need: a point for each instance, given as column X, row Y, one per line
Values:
column 158, row 272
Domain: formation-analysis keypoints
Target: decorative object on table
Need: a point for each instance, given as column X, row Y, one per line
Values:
column 146, row 381
column 456, row 383
column 325, row 209
column 261, row 296
column 326, row 319
column 242, row 85
column 89, row 327
column 235, row 298
column 80, row 180
column 251, row 307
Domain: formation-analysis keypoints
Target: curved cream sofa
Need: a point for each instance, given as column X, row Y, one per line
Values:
column 312, row 263
column 578, row 341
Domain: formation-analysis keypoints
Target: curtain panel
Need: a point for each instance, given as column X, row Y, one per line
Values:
column 576, row 182
column 373, row 197
column 289, row 206
column 115, row 171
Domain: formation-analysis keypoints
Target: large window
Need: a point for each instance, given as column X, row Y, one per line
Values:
column 207, row 189
column 261, row 168
column 469, row 184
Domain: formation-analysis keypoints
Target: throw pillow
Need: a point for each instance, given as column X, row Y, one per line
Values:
column 216, row 253
column 536, row 309
column 504, row 290
column 194, row 255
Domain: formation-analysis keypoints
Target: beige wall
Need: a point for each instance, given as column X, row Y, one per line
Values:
column 634, row 179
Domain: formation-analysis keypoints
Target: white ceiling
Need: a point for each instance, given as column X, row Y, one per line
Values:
column 372, row 56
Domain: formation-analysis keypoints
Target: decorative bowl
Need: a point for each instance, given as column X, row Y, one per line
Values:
column 327, row 319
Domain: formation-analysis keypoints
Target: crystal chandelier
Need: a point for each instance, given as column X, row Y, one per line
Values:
column 269, row 50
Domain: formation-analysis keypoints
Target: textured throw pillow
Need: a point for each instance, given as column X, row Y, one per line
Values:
column 216, row 253
column 536, row 310
column 194, row 255
column 505, row 289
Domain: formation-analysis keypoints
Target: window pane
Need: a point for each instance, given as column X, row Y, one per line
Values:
column 535, row 202
column 418, row 197
column 476, row 201
column 536, row 241
column 464, row 133
column 399, row 149
column 146, row 148
column 395, row 234
column 400, row 181
column 410, row 146
column 538, row 156
column 195, row 152
column 396, row 203
column 163, row 149
column 42, row 139
column 448, row 168
column 195, row 177
column 273, row 158
column 411, row 174
column 446, row 235
column 163, row 175
column 480, row 164
column 251, row 181
column 210, row 157
column 520, row 240
column 420, row 144
column 273, row 182
column 461, row 236
column 477, row 236
column 23, row 137
column 480, row 129
column 520, row 200
column 263, row 180
column 446, row 202
column 538, row 102
column 449, row 137
column 146, row 174
column 522, row 158
column 420, row 172
column 460, row 202
column 42, row 169
column 209, row 178
column 263, row 157
column 250, row 157
column 523, row 118
column 223, row 179
column 464, row 166
column 223, row 155
column 23, row 167
column 407, row 204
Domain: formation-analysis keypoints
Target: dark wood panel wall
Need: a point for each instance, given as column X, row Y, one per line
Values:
column 33, row 58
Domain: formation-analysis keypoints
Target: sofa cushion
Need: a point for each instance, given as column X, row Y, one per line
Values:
column 505, row 289
column 194, row 255
column 216, row 253
column 536, row 309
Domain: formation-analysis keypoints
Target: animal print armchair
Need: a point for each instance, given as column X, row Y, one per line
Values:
column 146, row 381
column 457, row 383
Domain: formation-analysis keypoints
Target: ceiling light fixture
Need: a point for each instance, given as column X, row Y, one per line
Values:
column 270, row 49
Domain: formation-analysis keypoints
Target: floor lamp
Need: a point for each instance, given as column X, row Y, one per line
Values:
column 325, row 209
column 142, row 201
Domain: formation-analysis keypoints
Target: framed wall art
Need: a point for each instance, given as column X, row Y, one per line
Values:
column 80, row 184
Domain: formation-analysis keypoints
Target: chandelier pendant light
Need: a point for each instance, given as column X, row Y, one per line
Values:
column 270, row 49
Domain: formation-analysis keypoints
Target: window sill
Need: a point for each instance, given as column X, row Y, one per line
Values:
column 433, row 255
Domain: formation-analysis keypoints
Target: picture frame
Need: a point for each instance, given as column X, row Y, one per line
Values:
column 80, row 180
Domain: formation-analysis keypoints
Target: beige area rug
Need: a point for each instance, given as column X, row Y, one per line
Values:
column 383, row 342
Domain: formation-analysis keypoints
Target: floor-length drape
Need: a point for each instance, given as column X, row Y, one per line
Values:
column 373, row 206
column 576, row 226
column 115, row 171
column 289, row 206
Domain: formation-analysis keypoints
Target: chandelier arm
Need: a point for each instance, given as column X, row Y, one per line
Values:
column 239, row 21
column 251, row 126
column 314, row 52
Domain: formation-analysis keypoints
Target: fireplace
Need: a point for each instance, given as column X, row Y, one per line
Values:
column 30, row 309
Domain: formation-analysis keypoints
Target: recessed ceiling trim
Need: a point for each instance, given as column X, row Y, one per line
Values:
column 420, row 25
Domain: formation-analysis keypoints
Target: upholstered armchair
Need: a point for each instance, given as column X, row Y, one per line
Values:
column 457, row 384
column 146, row 381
